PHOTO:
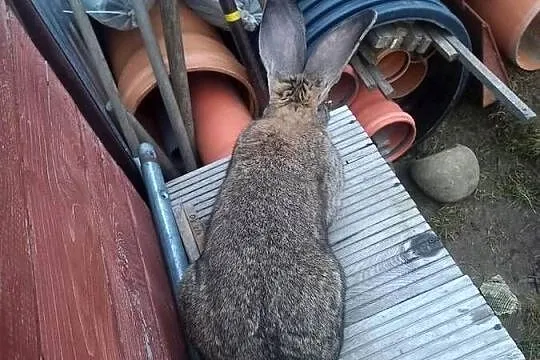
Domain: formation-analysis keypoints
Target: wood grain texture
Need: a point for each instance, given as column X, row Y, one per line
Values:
column 81, row 273
column 18, row 308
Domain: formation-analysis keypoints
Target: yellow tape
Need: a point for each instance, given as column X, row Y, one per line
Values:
column 232, row 17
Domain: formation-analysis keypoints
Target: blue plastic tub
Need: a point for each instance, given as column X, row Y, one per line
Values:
column 444, row 82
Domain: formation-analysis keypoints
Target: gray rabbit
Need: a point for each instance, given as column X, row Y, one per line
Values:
column 267, row 285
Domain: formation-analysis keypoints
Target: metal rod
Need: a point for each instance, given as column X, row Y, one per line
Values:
column 363, row 72
column 164, row 85
column 177, row 63
column 164, row 220
column 499, row 89
column 249, row 59
column 383, row 85
column 104, row 73
column 368, row 54
column 169, row 169
column 442, row 45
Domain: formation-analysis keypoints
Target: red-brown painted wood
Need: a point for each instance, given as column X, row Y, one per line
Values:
column 81, row 273
column 18, row 307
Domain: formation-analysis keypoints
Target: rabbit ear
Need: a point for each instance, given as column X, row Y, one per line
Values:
column 282, row 39
column 334, row 49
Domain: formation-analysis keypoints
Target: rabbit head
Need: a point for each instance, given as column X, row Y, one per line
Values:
column 298, row 80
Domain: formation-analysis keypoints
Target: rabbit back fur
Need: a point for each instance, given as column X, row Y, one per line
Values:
column 267, row 285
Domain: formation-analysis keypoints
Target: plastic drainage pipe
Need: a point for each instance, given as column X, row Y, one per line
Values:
column 444, row 81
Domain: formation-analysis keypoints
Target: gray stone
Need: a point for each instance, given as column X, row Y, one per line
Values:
column 448, row 176
column 499, row 296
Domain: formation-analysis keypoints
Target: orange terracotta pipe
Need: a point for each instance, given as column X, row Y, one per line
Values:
column 203, row 51
column 219, row 114
column 344, row 92
column 410, row 79
column 390, row 128
column 392, row 63
column 516, row 27
column 122, row 45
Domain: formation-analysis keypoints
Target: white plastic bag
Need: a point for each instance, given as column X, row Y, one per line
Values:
column 210, row 10
column 118, row 14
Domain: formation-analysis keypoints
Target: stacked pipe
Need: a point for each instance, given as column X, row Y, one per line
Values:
column 444, row 81
column 397, row 63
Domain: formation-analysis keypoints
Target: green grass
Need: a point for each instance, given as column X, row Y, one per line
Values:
column 521, row 186
column 520, row 144
column 447, row 221
column 530, row 345
column 509, row 156
column 510, row 162
column 522, row 140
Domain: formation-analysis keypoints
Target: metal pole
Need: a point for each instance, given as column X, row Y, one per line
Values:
column 247, row 55
column 104, row 73
column 165, row 88
column 169, row 169
column 164, row 220
column 504, row 94
column 177, row 63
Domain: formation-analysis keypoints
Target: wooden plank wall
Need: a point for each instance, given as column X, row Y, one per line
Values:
column 81, row 273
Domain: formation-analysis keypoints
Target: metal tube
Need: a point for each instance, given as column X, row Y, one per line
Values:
column 169, row 169
column 506, row 96
column 442, row 45
column 164, row 220
column 104, row 73
column 177, row 63
column 165, row 88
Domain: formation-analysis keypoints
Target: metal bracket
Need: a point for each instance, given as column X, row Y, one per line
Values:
column 502, row 92
column 488, row 52
column 191, row 230
column 442, row 45
column 363, row 72
column 371, row 76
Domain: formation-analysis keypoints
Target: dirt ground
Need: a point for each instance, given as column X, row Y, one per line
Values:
column 497, row 229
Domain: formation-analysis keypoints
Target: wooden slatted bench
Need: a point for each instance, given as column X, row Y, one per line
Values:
column 406, row 298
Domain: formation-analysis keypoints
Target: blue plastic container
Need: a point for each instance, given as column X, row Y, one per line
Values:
column 444, row 82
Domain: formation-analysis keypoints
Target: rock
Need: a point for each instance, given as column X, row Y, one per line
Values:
column 505, row 304
column 448, row 176
column 499, row 296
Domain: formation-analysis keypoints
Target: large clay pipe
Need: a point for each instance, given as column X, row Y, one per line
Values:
column 344, row 91
column 219, row 114
column 516, row 27
column 203, row 51
column 164, row 84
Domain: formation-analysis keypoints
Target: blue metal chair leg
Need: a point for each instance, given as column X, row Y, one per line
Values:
column 164, row 220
